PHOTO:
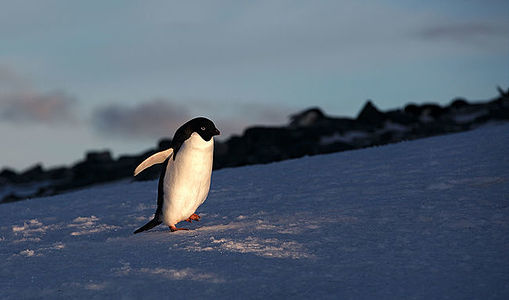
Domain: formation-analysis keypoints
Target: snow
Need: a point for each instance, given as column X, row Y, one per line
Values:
column 425, row 219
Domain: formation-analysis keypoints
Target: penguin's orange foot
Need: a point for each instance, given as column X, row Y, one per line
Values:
column 173, row 228
column 193, row 217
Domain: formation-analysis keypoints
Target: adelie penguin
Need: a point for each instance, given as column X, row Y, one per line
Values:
column 185, row 178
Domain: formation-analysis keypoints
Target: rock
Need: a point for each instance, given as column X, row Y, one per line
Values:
column 59, row 173
column 503, row 94
column 306, row 118
column 11, row 198
column 401, row 117
column 459, row 103
column 35, row 173
column 8, row 176
column 370, row 114
column 425, row 112
column 432, row 110
column 164, row 144
column 412, row 109
column 98, row 156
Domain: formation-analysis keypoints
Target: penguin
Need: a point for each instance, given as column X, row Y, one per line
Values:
column 184, row 181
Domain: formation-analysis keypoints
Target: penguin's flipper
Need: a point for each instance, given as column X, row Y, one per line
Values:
column 157, row 158
column 153, row 223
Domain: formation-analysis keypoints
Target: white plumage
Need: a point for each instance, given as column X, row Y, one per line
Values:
column 187, row 179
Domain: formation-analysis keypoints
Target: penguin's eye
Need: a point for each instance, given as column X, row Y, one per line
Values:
column 203, row 128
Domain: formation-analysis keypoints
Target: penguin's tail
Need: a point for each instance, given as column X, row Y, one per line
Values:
column 153, row 223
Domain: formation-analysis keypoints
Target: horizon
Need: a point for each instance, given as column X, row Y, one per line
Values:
column 226, row 138
column 95, row 75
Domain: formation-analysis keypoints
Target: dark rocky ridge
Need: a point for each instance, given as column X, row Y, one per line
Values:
column 309, row 132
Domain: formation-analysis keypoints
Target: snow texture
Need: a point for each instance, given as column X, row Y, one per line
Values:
column 427, row 219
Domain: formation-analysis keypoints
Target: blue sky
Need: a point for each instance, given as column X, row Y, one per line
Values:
column 119, row 75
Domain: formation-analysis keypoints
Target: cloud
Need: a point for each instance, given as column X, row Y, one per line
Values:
column 21, row 103
column 11, row 80
column 28, row 107
column 266, row 114
column 160, row 117
column 152, row 119
column 464, row 32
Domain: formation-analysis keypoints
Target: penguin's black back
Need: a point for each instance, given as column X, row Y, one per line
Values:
column 160, row 189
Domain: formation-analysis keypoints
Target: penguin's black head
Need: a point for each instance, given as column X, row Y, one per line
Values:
column 203, row 126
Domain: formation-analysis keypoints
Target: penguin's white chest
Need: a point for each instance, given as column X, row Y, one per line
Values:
column 187, row 179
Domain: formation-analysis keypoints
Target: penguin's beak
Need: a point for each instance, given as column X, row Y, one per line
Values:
column 217, row 132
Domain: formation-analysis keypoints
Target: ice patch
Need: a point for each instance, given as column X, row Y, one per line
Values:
column 263, row 247
column 27, row 239
column 95, row 286
column 58, row 246
column 273, row 248
column 262, row 226
column 222, row 227
column 183, row 274
column 125, row 269
column 91, row 286
column 27, row 253
column 86, row 220
column 142, row 218
column 31, row 231
column 88, row 225
column 30, row 224
column 16, row 228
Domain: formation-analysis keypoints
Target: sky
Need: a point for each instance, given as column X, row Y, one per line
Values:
column 119, row 75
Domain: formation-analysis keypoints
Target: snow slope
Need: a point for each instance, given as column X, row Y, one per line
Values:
column 427, row 219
